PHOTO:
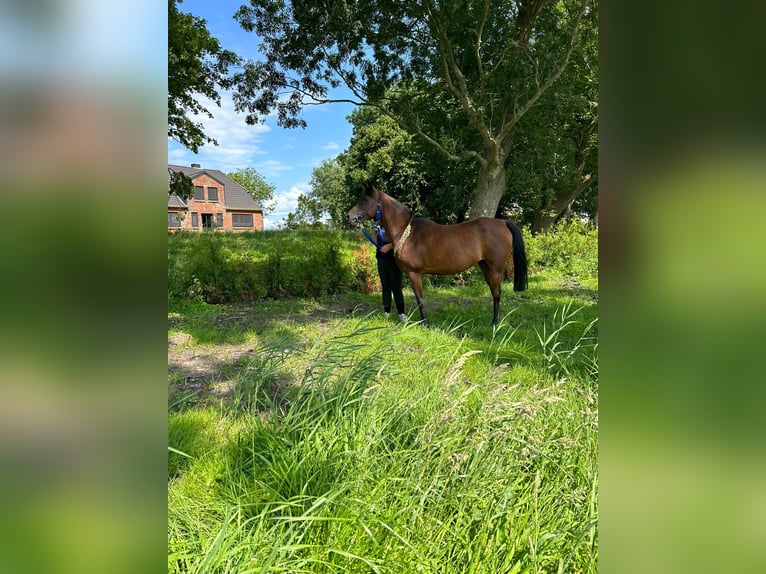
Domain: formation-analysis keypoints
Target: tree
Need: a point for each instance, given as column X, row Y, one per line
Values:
column 553, row 169
column 382, row 152
column 327, row 201
column 308, row 214
column 256, row 186
column 197, row 66
column 555, row 165
column 180, row 184
column 331, row 197
column 406, row 167
column 490, row 60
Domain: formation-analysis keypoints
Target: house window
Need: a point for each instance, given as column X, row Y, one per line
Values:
column 242, row 219
column 212, row 194
column 173, row 219
column 219, row 219
column 195, row 219
column 199, row 193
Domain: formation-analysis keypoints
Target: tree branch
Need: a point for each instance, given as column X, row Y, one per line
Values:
column 441, row 148
column 528, row 13
column 317, row 101
column 479, row 36
column 448, row 154
column 460, row 91
column 541, row 89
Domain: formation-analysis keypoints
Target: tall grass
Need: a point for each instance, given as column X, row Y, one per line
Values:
column 364, row 445
column 560, row 356
column 382, row 458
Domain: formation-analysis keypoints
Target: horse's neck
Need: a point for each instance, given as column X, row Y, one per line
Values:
column 394, row 218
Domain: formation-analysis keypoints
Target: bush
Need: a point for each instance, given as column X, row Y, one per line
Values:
column 364, row 268
column 571, row 249
column 305, row 263
column 226, row 268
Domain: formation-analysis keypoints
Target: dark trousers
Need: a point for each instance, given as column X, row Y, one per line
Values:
column 391, row 282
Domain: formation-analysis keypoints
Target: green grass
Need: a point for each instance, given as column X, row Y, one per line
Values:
column 353, row 443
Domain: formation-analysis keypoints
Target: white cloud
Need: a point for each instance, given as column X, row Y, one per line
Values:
column 286, row 201
column 229, row 126
column 177, row 156
column 239, row 144
column 271, row 167
column 270, row 223
column 331, row 146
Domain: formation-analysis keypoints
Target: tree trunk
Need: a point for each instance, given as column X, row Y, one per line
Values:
column 489, row 190
column 544, row 219
column 553, row 208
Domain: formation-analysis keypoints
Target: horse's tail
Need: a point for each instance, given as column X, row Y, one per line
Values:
column 519, row 258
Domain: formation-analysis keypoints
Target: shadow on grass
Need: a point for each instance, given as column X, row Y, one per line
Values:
column 280, row 328
column 235, row 323
column 213, row 350
column 528, row 319
column 533, row 307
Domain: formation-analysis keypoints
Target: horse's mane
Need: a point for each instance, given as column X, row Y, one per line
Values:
column 409, row 211
column 371, row 187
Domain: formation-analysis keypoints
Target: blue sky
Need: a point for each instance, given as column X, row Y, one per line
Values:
column 285, row 158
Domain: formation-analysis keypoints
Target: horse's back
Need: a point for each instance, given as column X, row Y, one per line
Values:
column 490, row 232
column 448, row 249
column 479, row 224
column 481, row 230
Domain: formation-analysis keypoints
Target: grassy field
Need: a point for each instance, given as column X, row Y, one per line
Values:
column 315, row 435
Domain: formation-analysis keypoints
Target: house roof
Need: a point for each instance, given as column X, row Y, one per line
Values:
column 175, row 201
column 235, row 196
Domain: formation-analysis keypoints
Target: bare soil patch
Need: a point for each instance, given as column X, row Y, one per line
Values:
column 209, row 372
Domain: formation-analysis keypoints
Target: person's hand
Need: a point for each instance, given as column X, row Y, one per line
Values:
column 386, row 248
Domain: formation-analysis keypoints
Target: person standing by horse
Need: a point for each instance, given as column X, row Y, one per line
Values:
column 388, row 271
column 424, row 246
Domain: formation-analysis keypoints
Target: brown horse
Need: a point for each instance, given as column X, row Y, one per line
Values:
column 422, row 246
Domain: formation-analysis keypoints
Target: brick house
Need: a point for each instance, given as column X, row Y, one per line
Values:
column 219, row 203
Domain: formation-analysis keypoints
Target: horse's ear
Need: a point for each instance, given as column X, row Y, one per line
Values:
column 370, row 188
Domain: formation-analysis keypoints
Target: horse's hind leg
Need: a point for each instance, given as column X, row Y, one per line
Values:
column 494, row 279
column 416, row 281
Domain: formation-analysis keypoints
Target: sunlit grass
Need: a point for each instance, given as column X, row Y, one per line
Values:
column 356, row 443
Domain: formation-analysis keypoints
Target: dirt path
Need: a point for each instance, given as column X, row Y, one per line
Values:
column 204, row 373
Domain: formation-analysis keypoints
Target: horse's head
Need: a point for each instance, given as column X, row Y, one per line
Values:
column 366, row 206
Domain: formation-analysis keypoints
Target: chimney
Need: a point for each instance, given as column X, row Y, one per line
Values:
column 196, row 165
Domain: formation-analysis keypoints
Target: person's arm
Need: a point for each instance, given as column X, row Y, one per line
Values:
column 386, row 248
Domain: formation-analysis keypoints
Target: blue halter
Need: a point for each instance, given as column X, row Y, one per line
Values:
column 379, row 230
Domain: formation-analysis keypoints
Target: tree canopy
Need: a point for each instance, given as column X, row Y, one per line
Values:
column 328, row 200
column 483, row 64
column 551, row 169
column 256, row 186
column 197, row 66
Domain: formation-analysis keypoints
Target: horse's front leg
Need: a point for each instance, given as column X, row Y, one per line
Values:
column 416, row 281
